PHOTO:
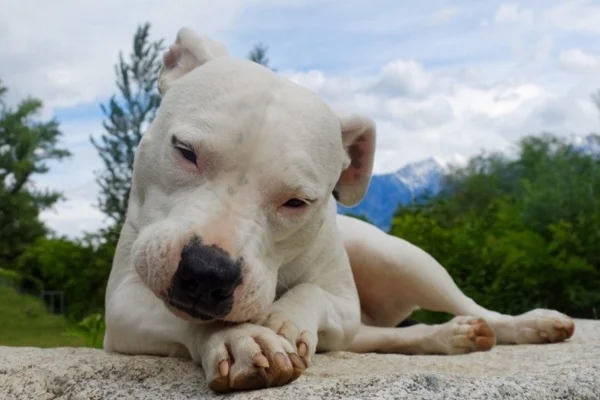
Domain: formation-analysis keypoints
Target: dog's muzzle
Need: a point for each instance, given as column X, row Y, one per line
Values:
column 205, row 280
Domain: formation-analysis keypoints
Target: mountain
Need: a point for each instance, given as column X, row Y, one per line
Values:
column 388, row 191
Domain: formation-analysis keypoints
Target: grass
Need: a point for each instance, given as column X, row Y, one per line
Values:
column 24, row 321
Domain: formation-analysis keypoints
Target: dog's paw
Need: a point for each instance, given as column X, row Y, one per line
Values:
column 246, row 357
column 303, row 340
column 463, row 334
column 542, row 326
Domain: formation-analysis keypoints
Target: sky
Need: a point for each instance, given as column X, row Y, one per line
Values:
column 442, row 79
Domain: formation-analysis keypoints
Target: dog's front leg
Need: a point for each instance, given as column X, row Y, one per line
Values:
column 321, row 314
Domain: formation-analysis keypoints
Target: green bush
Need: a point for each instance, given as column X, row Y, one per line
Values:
column 517, row 234
column 79, row 269
column 9, row 277
column 91, row 330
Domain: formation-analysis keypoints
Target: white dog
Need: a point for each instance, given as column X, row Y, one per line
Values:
column 232, row 253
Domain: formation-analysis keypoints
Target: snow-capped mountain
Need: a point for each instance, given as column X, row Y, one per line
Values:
column 388, row 191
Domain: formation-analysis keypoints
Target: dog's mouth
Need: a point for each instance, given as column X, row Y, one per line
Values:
column 190, row 311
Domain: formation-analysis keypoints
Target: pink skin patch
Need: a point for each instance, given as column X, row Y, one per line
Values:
column 157, row 262
column 170, row 57
column 356, row 170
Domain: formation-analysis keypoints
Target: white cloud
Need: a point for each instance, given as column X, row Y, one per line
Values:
column 512, row 13
column 579, row 60
column 64, row 51
column 444, row 15
column 575, row 15
column 74, row 177
column 403, row 78
column 74, row 217
column 452, row 120
column 443, row 92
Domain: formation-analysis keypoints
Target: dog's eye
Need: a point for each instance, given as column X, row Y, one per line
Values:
column 187, row 154
column 294, row 203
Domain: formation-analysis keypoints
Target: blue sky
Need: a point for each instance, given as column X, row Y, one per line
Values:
column 442, row 79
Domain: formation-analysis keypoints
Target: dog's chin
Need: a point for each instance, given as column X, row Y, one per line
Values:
column 193, row 317
column 196, row 317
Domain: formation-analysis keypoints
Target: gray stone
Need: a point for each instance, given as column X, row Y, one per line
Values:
column 569, row 370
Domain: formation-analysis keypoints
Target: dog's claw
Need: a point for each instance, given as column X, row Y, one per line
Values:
column 221, row 383
column 299, row 365
column 261, row 361
column 302, row 349
column 224, row 368
column 297, row 361
column 282, row 361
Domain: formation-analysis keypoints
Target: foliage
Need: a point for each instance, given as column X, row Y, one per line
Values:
column 90, row 330
column 26, row 322
column 518, row 234
column 127, row 115
column 27, row 145
column 78, row 268
column 10, row 278
column 258, row 54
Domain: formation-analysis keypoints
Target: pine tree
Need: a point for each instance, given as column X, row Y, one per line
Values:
column 259, row 55
column 127, row 116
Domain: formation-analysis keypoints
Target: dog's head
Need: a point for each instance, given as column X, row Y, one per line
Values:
column 234, row 178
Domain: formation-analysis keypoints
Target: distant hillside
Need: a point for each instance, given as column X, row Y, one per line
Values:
column 24, row 321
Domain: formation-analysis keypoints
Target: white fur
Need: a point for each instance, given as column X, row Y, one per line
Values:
column 261, row 140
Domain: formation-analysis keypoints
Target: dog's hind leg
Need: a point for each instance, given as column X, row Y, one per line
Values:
column 394, row 277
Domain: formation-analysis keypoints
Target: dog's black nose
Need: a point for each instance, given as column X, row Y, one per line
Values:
column 205, row 280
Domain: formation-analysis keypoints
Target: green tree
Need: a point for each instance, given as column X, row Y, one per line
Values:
column 518, row 234
column 78, row 268
column 258, row 54
column 27, row 146
column 127, row 116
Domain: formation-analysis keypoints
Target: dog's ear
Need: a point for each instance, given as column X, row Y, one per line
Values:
column 189, row 51
column 358, row 139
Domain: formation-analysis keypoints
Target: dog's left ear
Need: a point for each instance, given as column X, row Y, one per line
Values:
column 189, row 51
column 358, row 139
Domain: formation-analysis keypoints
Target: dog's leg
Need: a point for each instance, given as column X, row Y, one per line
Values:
column 392, row 274
column 321, row 313
column 459, row 336
column 312, row 318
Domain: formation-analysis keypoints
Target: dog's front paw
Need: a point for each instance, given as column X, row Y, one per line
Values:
column 542, row 326
column 303, row 340
column 248, row 357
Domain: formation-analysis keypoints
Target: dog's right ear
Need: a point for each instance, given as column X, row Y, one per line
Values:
column 358, row 139
column 189, row 51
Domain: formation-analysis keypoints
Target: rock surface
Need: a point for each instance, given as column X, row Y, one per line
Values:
column 569, row 370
